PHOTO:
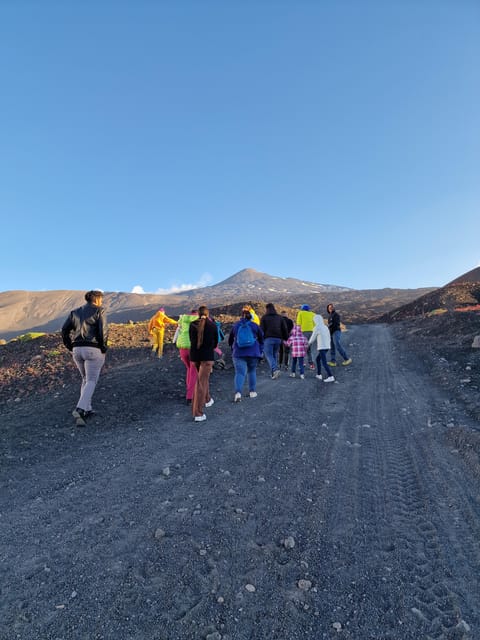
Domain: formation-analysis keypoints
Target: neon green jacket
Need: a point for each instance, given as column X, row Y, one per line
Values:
column 183, row 338
column 305, row 320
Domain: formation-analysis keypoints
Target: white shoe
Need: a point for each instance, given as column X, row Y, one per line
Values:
column 253, row 394
column 238, row 397
column 329, row 379
column 302, row 377
column 275, row 374
column 200, row 418
column 210, row 402
column 292, row 375
column 319, row 377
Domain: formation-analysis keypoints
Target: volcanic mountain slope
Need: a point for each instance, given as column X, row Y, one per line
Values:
column 471, row 277
column 462, row 294
column 45, row 311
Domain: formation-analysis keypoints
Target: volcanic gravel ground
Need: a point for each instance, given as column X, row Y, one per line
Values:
column 347, row 510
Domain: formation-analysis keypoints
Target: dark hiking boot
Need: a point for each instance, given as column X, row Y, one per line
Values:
column 80, row 417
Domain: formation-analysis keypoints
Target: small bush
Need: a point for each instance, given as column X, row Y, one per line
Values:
column 25, row 337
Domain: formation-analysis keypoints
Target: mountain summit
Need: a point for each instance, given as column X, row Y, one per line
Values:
column 261, row 283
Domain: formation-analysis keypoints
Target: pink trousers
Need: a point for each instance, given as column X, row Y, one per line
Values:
column 191, row 377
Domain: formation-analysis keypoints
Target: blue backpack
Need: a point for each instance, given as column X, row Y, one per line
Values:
column 245, row 336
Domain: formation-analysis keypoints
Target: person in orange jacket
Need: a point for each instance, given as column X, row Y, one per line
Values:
column 156, row 328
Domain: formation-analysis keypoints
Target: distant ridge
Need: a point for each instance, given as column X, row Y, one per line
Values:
column 24, row 311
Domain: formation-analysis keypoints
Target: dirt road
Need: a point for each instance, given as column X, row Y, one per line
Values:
column 313, row 511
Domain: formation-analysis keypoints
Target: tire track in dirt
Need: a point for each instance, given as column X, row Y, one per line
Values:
column 384, row 487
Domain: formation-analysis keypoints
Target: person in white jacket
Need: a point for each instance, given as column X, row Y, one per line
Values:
column 321, row 336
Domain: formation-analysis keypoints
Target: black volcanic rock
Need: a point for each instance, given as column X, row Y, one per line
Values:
column 464, row 295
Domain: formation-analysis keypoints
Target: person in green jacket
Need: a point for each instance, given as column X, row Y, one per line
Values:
column 307, row 324
column 182, row 340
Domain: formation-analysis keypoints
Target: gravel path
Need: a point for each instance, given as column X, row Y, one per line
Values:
column 313, row 511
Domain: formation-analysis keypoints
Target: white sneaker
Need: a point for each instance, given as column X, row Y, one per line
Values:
column 329, row 379
column 210, row 402
column 275, row 374
column 302, row 377
column 319, row 377
column 292, row 375
column 200, row 418
column 238, row 397
column 253, row 394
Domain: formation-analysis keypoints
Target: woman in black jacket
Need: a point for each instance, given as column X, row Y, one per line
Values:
column 203, row 340
column 335, row 329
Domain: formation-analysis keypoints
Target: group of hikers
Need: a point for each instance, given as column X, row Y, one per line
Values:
column 273, row 337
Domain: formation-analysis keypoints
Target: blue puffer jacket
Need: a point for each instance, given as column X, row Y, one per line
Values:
column 255, row 349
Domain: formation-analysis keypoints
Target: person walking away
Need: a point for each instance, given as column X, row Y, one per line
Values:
column 298, row 348
column 255, row 318
column 85, row 335
column 284, row 350
column 335, row 329
column 305, row 320
column 274, row 330
column 246, row 340
column 219, row 361
column 156, row 328
column 203, row 341
column 321, row 339
column 183, row 345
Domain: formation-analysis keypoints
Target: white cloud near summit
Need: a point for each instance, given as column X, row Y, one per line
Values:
column 204, row 281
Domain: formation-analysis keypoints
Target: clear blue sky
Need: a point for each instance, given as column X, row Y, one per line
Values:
column 156, row 144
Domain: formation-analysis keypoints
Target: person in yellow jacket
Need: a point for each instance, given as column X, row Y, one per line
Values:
column 156, row 328
column 249, row 308
column 307, row 324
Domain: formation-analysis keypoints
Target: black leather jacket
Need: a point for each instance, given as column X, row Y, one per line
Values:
column 86, row 327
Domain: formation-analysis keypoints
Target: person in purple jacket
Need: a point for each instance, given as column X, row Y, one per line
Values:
column 246, row 358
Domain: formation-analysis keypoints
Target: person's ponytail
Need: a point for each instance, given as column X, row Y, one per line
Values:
column 203, row 315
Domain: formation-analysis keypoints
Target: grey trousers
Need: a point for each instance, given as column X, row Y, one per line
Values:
column 89, row 361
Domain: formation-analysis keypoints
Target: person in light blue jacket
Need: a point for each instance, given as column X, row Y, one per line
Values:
column 245, row 359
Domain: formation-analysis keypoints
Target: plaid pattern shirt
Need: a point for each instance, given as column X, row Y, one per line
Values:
column 298, row 344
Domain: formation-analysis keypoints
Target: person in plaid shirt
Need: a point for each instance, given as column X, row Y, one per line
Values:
column 298, row 344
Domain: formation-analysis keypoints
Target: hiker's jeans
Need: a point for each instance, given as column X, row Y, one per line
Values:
column 247, row 364
column 89, row 361
column 322, row 360
column 336, row 344
column 271, row 347
column 301, row 367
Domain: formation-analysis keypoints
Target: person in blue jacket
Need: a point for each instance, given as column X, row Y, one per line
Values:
column 245, row 359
